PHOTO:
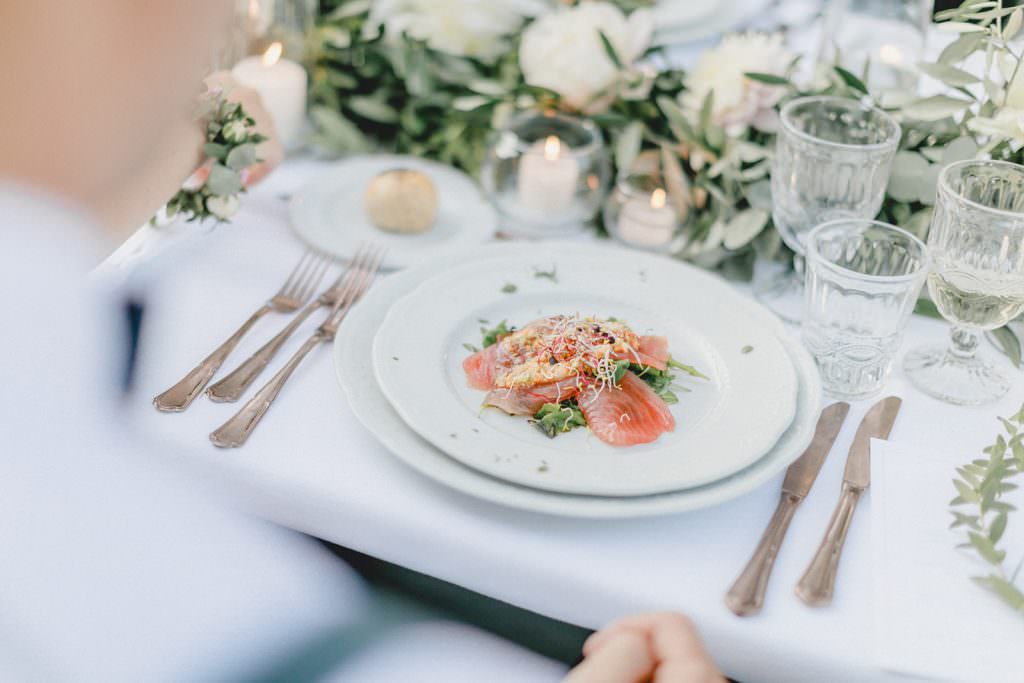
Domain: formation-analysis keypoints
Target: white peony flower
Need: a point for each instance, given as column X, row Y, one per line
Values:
column 738, row 102
column 562, row 51
column 465, row 28
column 222, row 207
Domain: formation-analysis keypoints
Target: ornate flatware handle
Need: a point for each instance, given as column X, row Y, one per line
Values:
column 746, row 597
column 236, row 431
column 178, row 397
column 232, row 387
column 816, row 586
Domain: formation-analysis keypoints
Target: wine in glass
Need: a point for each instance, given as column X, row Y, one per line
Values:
column 976, row 241
column 832, row 160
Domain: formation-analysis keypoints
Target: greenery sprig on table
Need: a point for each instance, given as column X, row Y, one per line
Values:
column 980, row 486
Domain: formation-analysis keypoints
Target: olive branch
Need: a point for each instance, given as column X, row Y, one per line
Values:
column 980, row 486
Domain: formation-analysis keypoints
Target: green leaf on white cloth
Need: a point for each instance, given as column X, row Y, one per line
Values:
column 1007, row 342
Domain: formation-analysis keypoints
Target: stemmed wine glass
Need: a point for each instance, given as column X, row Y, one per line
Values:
column 976, row 241
column 832, row 160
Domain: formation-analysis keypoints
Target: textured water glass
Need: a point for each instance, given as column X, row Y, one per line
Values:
column 863, row 279
column 832, row 160
column 976, row 240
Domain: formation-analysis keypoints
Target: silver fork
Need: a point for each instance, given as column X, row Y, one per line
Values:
column 234, row 385
column 235, row 432
column 297, row 289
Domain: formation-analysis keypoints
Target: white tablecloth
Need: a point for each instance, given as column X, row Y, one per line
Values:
column 312, row 466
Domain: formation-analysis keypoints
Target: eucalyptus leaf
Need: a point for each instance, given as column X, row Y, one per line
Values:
column 373, row 109
column 223, row 180
column 950, row 75
column 744, row 227
column 905, row 178
column 1008, row 343
column 241, row 157
column 936, row 107
column 627, row 146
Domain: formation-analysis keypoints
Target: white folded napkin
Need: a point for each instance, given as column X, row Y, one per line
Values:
column 930, row 619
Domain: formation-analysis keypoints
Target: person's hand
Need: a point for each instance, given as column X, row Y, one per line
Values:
column 269, row 151
column 662, row 647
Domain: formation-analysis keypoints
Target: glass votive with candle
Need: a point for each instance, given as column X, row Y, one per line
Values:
column 639, row 213
column 546, row 173
column 281, row 84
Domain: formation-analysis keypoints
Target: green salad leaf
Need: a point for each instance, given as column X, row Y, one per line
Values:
column 491, row 334
column 557, row 418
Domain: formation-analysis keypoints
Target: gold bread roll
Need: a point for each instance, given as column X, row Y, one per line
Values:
column 401, row 200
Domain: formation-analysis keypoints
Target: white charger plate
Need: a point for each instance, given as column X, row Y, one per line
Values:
column 327, row 213
column 723, row 425
column 353, row 365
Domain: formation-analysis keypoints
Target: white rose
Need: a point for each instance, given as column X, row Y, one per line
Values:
column 234, row 131
column 222, row 207
column 465, row 28
column 738, row 101
column 562, row 51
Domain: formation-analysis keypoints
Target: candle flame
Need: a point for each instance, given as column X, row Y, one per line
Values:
column 273, row 54
column 552, row 148
column 658, row 199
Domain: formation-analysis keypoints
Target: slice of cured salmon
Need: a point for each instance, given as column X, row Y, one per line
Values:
column 628, row 414
column 528, row 400
column 653, row 352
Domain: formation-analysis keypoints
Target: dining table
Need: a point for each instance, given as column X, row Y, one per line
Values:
column 314, row 468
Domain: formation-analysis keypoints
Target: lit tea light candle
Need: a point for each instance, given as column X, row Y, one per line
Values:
column 281, row 84
column 647, row 222
column 548, row 175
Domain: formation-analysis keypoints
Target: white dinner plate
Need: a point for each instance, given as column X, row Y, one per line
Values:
column 327, row 213
column 722, row 425
column 353, row 365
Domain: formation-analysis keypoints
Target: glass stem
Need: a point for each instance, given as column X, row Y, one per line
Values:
column 964, row 345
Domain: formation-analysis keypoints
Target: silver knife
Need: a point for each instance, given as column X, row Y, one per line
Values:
column 816, row 586
column 747, row 594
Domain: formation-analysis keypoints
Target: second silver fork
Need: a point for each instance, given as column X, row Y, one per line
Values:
column 232, row 387
column 236, row 431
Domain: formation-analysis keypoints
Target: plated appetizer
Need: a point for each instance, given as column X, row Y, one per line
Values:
column 570, row 371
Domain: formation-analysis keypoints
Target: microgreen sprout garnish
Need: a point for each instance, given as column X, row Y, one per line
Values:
column 509, row 289
column 747, row 349
column 688, row 369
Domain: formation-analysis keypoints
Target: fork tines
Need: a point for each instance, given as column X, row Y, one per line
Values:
column 362, row 271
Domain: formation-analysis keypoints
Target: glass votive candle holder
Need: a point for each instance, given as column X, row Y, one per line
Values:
column 638, row 213
column 546, row 173
column 863, row 279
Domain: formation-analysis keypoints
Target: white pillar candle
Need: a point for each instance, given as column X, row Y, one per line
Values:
column 548, row 175
column 281, row 84
column 647, row 222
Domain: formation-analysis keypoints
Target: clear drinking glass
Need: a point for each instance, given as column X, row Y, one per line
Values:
column 832, row 160
column 863, row 279
column 977, row 280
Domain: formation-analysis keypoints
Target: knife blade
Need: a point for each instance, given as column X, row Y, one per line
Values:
column 801, row 474
column 746, row 596
column 877, row 424
column 818, row 583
